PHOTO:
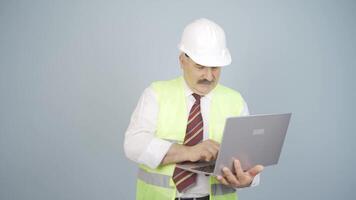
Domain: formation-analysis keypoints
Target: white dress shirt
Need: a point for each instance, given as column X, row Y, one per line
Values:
column 142, row 146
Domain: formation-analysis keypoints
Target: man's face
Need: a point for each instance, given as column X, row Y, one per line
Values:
column 200, row 79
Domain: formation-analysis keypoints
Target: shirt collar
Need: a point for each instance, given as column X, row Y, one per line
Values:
column 188, row 92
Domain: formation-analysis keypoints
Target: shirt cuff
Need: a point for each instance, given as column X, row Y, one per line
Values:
column 255, row 181
column 154, row 152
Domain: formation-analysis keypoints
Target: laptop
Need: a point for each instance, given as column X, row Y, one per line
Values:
column 253, row 139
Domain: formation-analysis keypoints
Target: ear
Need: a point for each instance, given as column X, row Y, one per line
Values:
column 181, row 60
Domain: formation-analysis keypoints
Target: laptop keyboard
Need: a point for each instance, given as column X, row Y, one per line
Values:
column 207, row 169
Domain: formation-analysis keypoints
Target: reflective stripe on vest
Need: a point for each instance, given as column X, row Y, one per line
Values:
column 154, row 178
column 163, row 181
column 220, row 189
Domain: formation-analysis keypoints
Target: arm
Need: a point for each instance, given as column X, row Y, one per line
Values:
column 140, row 143
column 176, row 153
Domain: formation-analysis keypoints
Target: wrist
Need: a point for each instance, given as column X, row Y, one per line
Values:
column 186, row 153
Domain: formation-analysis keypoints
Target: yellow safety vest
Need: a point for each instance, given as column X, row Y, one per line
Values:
column 157, row 183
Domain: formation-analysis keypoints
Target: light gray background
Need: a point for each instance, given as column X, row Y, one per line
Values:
column 72, row 72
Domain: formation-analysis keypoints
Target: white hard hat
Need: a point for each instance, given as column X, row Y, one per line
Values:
column 204, row 42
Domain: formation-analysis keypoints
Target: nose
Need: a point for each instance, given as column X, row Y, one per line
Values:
column 209, row 74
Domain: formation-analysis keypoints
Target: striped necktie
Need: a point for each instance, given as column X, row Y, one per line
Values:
column 194, row 134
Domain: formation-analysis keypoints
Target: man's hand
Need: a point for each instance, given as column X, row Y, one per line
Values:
column 239, row 179
column 205, row 151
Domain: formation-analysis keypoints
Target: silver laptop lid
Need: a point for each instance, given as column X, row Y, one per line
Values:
column 253, row 139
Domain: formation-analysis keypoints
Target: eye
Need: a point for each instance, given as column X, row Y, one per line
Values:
column 200, row 67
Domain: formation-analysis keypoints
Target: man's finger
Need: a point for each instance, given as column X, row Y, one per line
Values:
column 216, row 147
column 222, row 180
column 214, row 143
column 255, row 170
column 238, row 169
column 207, row 155
column 213, row 153
column 230, row 177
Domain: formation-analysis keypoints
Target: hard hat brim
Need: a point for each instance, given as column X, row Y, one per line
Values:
column 217, row 60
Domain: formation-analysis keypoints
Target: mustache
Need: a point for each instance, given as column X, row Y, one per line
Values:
column 205, row 82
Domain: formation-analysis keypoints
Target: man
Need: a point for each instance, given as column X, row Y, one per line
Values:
column 183, row 119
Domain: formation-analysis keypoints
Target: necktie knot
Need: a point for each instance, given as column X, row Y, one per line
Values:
column 196, row 96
